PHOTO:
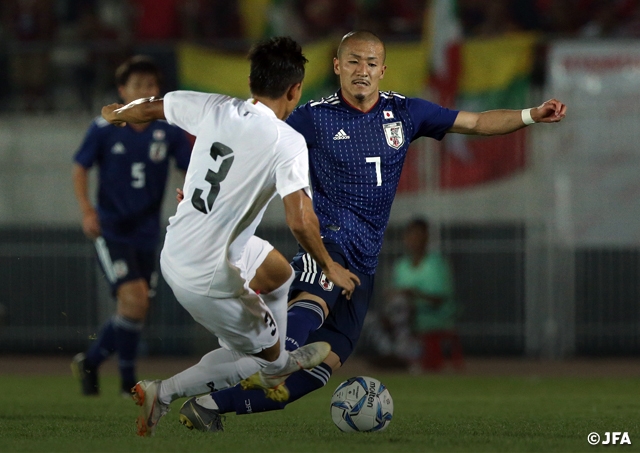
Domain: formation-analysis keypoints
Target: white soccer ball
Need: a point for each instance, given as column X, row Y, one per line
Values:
column 361, row 404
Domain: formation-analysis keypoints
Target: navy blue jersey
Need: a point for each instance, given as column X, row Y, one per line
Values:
column 355, row 161
column 133, row 176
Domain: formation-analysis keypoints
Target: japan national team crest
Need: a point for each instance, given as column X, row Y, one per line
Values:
column 158, row 151
column 394, row 134
column 325, row 283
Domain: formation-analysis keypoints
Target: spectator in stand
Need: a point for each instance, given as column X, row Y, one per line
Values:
column 30, row 25
column 423, row 288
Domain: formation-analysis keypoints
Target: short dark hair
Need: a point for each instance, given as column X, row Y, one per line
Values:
column 135, row 65
column 276, row 65
column 418, row 222
column 362, row 35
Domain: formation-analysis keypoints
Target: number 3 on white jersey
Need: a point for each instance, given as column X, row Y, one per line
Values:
column 376, row 160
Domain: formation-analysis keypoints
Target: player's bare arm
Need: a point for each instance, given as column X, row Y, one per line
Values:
column 499, row 122
column 304, row 225
column 137, row 112
column 90, row 221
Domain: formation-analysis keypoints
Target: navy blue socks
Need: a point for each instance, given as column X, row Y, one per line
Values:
column 303, row 317
column 299, row 384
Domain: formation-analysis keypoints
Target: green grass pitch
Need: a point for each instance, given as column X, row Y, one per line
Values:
column 432, row 413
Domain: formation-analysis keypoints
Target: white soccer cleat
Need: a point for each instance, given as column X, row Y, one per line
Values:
column 145, row 395
column 305, row 357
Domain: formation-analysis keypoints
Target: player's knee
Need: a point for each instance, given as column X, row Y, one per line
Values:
column 133, row 299
column 270, row 354
column 271, row 274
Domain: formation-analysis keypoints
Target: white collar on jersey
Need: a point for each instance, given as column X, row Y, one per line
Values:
column 261, row 107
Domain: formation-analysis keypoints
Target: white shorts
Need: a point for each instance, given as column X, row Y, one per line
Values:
column 244, row 324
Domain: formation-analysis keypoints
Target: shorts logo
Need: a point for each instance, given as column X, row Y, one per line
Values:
column 325, row 283
column 120, row 268
column 394, row 134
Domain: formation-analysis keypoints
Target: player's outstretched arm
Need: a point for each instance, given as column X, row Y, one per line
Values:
column 140, row 111
column 304, row 225
column 499, row 122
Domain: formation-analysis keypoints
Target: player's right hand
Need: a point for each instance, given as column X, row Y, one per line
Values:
column 108, row 113
column 179, row 194
column 341, row 277
column 91, row 225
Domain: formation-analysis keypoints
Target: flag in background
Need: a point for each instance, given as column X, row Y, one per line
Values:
column 205, row 69
column 493, row 73
column 476, row 75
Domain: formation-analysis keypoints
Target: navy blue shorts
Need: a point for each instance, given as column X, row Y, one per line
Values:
column 123, row 263
column 342, row 327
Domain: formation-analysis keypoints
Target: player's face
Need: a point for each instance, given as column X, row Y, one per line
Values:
column 360, row 67
column 139, row 85
column 416, row 239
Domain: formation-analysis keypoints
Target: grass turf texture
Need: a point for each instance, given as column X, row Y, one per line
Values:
column 442, row 413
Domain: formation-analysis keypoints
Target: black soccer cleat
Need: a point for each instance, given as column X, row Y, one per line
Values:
column 88, row 376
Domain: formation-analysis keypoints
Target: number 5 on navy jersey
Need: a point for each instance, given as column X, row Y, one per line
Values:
column 214, row 178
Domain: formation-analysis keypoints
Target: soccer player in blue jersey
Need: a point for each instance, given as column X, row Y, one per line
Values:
column 133, row 166
column 357, row 139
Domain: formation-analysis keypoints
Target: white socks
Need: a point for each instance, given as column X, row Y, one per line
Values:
column 217, row 370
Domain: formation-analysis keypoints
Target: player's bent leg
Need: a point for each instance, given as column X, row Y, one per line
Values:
column 306, row 357
column 300, row 383
column 133, row 303
column 306, row 314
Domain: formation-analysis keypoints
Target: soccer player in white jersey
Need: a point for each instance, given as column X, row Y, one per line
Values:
column 243, row 155
column 357, row 139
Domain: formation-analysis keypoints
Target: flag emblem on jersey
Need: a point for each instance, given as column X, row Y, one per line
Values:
column 157, row 151
column 341, row 135
column 394, row 134
column 325, row 283
column 388, row 114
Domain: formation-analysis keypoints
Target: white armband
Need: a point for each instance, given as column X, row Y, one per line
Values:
column 526, row 117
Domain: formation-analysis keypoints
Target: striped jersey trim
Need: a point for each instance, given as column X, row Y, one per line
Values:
column 329, row 100
column 388, row 94
column 310, row 269
column 105, row 259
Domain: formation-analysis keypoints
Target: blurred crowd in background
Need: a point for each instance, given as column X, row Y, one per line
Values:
column 60, row 54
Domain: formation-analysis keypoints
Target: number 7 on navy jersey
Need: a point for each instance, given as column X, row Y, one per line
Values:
column 214, row 178
column 376, row 160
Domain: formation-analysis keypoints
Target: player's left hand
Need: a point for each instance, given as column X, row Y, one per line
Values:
column 342, row 277
column 550, row 111
column 179, row 194
column 108, row 113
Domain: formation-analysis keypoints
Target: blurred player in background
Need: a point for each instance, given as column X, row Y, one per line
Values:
column 133, row 166
column 243, row 155
column 357, row 139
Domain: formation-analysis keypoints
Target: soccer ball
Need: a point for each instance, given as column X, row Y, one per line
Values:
column 362, row 404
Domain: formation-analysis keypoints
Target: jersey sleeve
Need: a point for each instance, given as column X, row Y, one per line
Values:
column 292, row 166
column 301, row 120
column 431, row 120
column 88, row 151
column 187, row 109
column 182, row 150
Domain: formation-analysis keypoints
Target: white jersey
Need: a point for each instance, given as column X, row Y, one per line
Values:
column 242, row 156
